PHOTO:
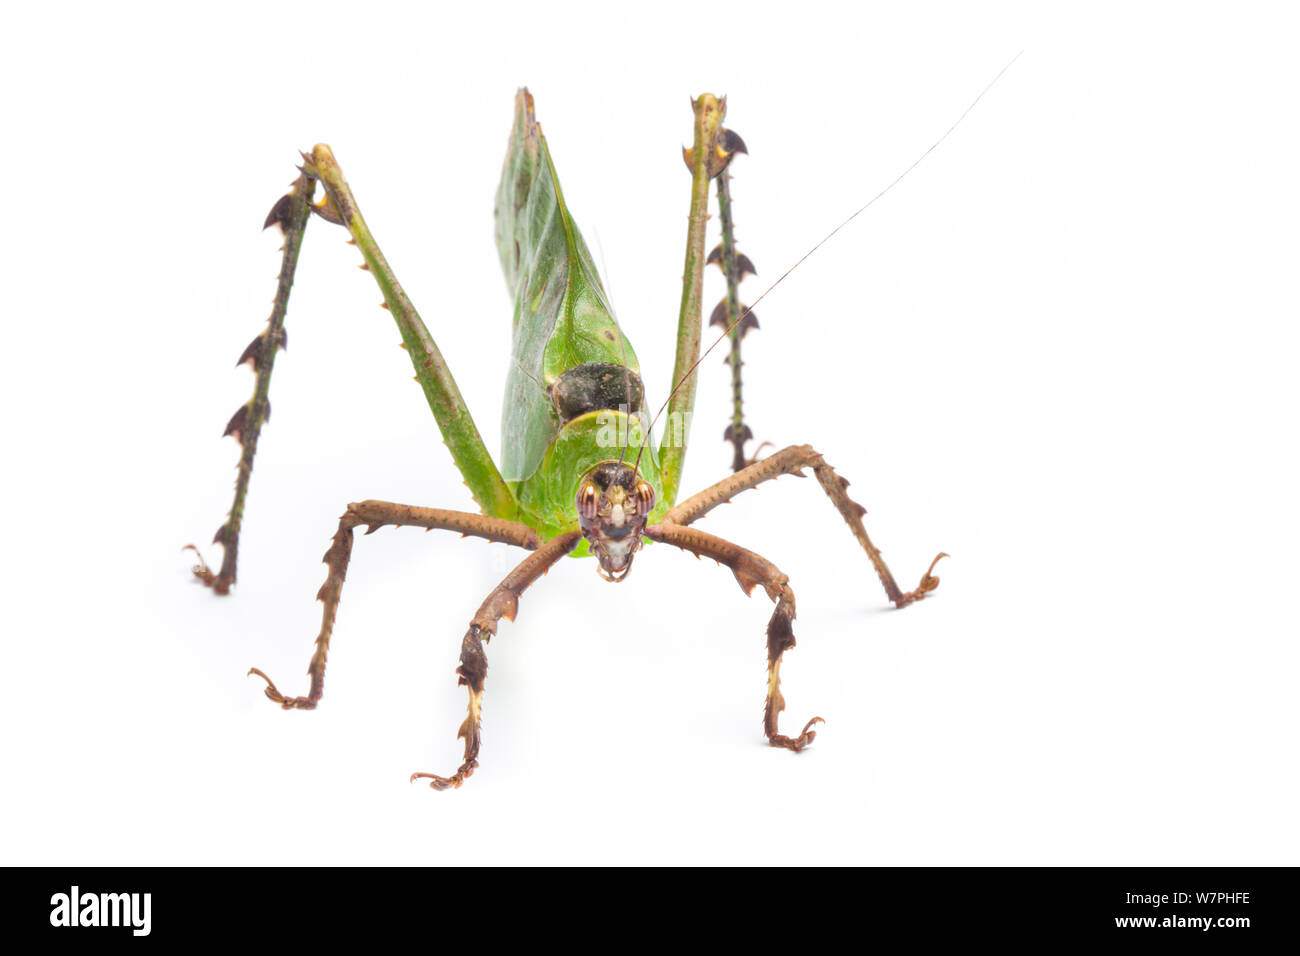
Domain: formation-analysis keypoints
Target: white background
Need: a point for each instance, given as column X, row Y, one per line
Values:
column 1063, row 350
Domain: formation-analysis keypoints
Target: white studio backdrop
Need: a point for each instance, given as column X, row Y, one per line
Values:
column 1062, row 350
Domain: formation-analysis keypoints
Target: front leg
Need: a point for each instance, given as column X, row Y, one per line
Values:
column 502, row 602
column 792, row 461
column 751, row 569
column 376, row 514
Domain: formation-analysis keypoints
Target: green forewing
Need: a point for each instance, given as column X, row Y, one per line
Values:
column 561, row 315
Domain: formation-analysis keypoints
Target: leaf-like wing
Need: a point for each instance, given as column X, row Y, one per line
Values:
column 562, row 317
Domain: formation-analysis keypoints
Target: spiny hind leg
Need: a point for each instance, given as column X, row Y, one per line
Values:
column 376, row 514
column 449, row 408
column 752, row 569
column 730, row 314
column 290, row 213
column 459, row 432
column 502, row 602
column 792, row 461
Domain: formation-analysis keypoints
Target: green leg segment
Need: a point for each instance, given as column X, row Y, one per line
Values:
column 458, row 430
column 705, row 160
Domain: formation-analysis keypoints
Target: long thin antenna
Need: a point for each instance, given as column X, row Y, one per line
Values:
column 899, row 178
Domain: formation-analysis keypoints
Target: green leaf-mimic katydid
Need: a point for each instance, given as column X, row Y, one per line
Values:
column 578, row 473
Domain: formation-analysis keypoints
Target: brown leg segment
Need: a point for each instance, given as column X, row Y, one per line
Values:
column 502, row 602
column 751, row 569
column 792, row 461
column 376, row 514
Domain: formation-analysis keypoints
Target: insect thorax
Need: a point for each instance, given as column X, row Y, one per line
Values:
column 593, row 386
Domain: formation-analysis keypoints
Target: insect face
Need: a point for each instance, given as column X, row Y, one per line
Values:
column 613, row 505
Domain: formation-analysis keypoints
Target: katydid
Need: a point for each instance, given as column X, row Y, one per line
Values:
column 578, row 473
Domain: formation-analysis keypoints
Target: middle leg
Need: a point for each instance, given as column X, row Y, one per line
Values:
column 792, row 461
column 376, row 514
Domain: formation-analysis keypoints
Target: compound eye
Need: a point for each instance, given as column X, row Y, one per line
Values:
column 645, row 497
column 588, row 498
